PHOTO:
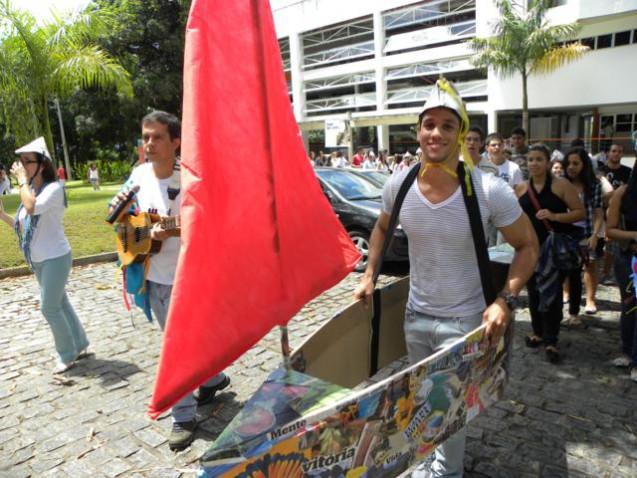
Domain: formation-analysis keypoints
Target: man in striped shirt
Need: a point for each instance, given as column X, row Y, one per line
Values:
column 445, row 298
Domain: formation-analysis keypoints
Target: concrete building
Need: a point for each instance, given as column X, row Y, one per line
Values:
column 369, row 64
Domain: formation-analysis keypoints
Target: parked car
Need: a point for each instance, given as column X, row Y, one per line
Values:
column 357, row 203
column 379, row 178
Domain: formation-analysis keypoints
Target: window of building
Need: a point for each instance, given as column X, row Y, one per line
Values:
column 622, row 38
column 604, row 41
column 623, row 123
column 634, row 36
column 589, row 42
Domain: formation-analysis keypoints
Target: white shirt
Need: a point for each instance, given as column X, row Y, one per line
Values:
column 5, row 186
column 444, row 274
column 48, row 240
column 153, row 197
column 510, row 172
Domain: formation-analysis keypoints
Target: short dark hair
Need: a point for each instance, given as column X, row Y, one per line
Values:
column 492, row 136
column 577, row 143
column 542, row 148
column 171, row 121
column 478, row 131
column 519, row 131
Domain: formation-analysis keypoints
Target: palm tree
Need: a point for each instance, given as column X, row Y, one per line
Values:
column 39, row 63
column 525, row 43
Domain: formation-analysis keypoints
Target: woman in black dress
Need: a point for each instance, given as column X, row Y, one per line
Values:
column 558, row 207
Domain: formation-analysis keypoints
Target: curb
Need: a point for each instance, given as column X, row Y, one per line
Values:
column 80, row 261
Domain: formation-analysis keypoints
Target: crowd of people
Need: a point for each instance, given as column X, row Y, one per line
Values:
column 566, row 216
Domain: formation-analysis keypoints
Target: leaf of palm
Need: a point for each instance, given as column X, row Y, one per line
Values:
column 558, row 56
column 88, row 66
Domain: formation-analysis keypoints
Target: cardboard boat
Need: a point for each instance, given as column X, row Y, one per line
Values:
column 352, row 407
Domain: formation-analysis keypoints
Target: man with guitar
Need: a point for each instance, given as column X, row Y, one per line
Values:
column 154, row 187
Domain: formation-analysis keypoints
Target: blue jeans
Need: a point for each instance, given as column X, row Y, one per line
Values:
column 628, row 320
column 159, row 295
column 424, row 336
column 68, row 333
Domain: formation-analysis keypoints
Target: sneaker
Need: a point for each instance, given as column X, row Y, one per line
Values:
column 207, row 394
column 633, row 374
column 622, row 362
column 182, row 435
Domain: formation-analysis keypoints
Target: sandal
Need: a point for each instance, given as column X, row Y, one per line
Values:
column 552, row 354
column 590, row 310
column 533, row 341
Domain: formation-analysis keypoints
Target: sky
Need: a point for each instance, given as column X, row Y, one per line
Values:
column 41, row 8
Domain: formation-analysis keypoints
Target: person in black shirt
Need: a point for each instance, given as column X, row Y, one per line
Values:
column 616, row 173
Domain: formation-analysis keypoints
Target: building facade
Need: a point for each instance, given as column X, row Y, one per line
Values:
column 369, row 64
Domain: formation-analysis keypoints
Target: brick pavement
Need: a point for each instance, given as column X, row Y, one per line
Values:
column 577, row 419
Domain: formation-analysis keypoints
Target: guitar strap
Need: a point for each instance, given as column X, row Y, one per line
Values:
column 174, row 186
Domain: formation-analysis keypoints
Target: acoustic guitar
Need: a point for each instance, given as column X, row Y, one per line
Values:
column 132, row 236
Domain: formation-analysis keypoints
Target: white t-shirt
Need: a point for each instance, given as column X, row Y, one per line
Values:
column 5, row 186
column 510, row 172
column 93, row 173
column 48, row 240
column 153, row 197
column 444, row 275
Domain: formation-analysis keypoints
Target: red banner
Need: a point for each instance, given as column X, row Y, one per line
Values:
column 259, row 238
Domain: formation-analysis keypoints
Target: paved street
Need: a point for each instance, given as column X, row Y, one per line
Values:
column 577, row 419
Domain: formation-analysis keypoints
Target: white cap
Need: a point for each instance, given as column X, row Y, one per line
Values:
column 36, row 146
column 441, row 98
column 407, row 154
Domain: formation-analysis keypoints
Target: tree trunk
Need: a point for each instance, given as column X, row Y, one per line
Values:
column 46, row 124
column 525, row 106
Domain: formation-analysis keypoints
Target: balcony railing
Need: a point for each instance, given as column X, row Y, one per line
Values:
column 349, row 52
column 467, row 89
column 427, row 12
column 431, row 36
column 423, row 69
column 339, row 81
column 347, row 102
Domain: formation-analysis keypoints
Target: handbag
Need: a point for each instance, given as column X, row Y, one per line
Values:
column 564, row 249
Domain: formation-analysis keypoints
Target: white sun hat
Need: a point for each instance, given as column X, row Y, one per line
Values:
column 36, row 146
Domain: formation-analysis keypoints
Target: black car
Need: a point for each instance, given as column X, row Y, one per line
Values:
column 379, row 178
column 357, row 203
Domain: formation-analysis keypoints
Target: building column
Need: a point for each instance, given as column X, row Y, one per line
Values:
column 379, row 44
column 296, row 70
column 492, row 121
column 382, row 133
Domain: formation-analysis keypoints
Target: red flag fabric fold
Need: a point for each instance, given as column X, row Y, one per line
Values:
column 259, row 238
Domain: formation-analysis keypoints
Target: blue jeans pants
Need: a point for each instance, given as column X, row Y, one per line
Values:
column 425, row 335
column 628, row 319
column 68, row 333
column 159, row 296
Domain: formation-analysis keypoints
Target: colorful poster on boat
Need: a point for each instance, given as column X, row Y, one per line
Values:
column 299, row 426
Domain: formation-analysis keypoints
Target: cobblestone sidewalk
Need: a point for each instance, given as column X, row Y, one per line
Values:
column 577, row 419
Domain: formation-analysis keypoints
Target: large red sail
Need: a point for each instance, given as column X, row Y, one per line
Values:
column 259, row 238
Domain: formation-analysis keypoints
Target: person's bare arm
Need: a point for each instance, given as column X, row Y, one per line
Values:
column 523, row 239
column 613, row 229
column 567, row 193
column 366, row 286
column 4, row 216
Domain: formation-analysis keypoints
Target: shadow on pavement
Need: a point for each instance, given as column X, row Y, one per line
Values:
column 111, row 373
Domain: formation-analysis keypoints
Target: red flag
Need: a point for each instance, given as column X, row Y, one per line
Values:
column 259, row 237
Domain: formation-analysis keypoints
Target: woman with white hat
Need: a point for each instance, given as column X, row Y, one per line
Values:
column 38, row 224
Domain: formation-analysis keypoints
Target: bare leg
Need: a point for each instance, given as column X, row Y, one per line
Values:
column 590, row 281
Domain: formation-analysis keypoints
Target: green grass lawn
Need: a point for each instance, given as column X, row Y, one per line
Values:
column 84, row 223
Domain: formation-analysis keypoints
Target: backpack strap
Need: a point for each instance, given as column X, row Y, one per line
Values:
column 477, row 231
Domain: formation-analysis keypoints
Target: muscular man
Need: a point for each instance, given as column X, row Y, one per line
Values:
column 445, row 297
column 159, row 186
